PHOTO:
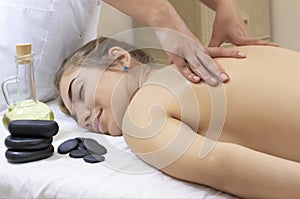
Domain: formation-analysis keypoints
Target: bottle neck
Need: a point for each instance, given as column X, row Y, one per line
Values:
column 25, row 78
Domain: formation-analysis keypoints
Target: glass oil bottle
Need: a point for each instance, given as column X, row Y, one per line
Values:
column 26, row 106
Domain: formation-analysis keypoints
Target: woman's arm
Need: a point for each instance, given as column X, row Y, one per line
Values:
column 173, row 147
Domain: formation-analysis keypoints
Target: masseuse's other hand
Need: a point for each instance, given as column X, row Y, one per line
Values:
column 183, row 48
column 229, row 27
column 192, row 59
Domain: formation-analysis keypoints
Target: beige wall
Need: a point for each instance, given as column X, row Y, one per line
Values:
column 285, row 23
column 285, row 17
column 112, row 21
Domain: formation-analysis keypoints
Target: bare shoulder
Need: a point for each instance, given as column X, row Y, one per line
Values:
column 147, row 112
column 151, row 96
column 166, row 94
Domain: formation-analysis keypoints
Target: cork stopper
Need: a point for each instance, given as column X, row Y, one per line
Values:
column 23, row 49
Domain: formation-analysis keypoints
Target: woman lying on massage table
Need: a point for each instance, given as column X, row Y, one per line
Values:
column 241, row 137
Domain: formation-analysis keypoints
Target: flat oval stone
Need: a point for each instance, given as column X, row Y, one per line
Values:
column 78, row 153
column 94, row 147
column 93, row 158
column 13, row 156
column 81, row 146
column 19, row 143
column 67, row 146
column 33, row 128
column 80, row 139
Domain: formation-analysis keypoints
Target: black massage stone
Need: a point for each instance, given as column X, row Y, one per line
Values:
column 33, row 128
column 20, row 143
column 68, row 146
column 94, row 147
column 93, row 158
column 15, row 156
column 80, row 139
column 78, row 153
column 81, row 146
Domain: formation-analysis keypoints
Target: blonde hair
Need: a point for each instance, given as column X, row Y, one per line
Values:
column 95, row 53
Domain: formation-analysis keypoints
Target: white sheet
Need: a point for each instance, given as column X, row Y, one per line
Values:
column 121, row 175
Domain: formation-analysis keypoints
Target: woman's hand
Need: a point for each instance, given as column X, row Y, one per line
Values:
column 229, row 27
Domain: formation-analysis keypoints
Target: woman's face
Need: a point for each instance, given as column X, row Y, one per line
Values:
column 87, row 94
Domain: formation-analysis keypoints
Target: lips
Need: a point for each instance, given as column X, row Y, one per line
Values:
column 99, row 121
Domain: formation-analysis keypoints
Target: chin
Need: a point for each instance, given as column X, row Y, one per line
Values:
column 116, row 133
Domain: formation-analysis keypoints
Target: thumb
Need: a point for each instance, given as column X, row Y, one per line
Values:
column 215, row 41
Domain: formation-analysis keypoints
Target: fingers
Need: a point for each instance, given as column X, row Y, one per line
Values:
column 194, row 71
column 199, row 69
column 222, row 52
column 184, row 68
column 217, row 41
column 211, row 67
column 265, row 43
column 252, row 41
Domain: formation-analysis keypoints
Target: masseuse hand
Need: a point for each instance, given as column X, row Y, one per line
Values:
column 192, row 59
column 229, row 27
column 183, row 48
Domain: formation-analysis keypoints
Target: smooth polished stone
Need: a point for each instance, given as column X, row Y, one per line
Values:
column 33, row 128
column 78, row 153
column 81, row 146
column 13, row 156
column 20, row 143
column 67, row 146
column 80, row 139
column 94, row 147
column 93, row 158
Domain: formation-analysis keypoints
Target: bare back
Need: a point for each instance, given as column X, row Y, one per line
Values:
column 262, row 101
column 170, row 122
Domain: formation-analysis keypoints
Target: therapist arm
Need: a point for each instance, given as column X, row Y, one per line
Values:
column 192, row 60
column 229, row 25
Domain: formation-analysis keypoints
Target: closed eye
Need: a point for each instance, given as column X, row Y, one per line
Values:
column 70, row 89
column 81, row 96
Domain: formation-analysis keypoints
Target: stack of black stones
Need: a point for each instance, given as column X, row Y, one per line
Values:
column 30, row 140
column 88, row 149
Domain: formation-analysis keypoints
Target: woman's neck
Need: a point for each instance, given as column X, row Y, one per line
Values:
column 127, row 87
column 137, row 76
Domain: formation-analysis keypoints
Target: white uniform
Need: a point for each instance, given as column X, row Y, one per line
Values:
column 56, row 28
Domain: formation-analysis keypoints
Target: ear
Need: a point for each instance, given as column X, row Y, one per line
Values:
column 121, row 56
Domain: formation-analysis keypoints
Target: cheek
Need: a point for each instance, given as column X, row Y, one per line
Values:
column 99, row 97
column 103, row 95
column 94, row 95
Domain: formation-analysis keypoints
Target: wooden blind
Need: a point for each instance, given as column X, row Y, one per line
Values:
column 199, row 18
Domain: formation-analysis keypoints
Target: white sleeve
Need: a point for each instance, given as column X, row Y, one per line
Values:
column 55, row 28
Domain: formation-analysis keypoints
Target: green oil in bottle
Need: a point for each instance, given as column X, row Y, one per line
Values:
column 29, row 110
column 26, row 106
